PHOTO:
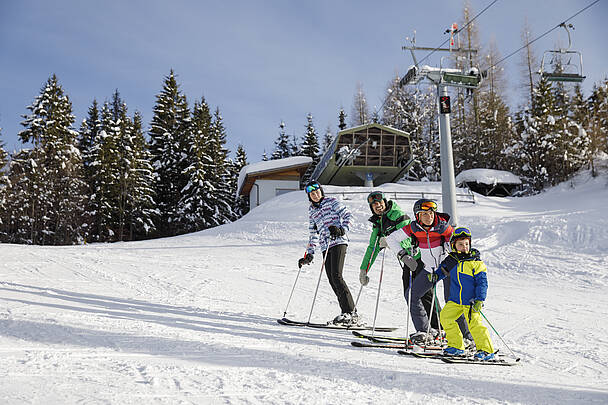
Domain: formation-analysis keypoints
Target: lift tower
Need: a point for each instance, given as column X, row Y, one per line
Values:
column 443, row 78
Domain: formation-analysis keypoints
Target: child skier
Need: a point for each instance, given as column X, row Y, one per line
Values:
column 468, row 288
column 328, row 223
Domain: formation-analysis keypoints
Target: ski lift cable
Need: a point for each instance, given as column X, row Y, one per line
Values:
column 387, row 98
column 541, row 36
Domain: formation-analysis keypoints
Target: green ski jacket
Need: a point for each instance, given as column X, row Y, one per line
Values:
column 392, row 219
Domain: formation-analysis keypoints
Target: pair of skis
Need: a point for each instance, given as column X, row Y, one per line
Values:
column 354, row 327
column 466, row 359
column 391, row 342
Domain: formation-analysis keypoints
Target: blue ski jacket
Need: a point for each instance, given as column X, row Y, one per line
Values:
column 468, row 281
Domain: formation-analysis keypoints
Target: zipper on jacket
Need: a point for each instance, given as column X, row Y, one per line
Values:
column 461, row 264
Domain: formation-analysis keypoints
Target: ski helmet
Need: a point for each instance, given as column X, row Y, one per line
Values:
column 424, row 204
column 460, row 233
column 375, row 196
column 312, row 186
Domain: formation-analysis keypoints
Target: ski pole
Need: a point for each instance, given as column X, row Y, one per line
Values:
column 503, row 341
column 409, row 305
column 292, row 289
column 428, row 329
column 366, row 271
column 438, row 314
column 318, row 282
column 378, row 295
column 358, row 295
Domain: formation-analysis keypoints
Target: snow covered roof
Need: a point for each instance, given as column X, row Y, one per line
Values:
column 260, row 169
column 487, row 176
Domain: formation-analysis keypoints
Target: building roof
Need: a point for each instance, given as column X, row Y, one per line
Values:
column 250, row 173
column 487, row 176
column 373, row 125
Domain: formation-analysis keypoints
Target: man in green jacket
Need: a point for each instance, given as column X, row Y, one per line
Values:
column 388, row 217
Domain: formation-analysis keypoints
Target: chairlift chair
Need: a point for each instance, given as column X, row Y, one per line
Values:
column 567, row 72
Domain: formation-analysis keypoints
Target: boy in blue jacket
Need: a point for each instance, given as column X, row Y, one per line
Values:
column 468, row 288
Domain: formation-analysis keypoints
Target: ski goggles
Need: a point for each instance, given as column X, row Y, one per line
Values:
column 375, row 196
column 461, row 232
column 312, row 187
column 428, row 206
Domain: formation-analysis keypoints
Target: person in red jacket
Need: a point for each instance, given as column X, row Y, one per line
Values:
column 431, row 233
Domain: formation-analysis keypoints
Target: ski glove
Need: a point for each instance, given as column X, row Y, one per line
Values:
column 433, row 278
column 363, row 277
column 305, row 260
column 382, row 242
column 477, row 306
column 409, row 262
column 336, row 231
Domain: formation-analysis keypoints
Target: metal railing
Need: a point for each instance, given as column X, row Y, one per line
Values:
column 467, row 197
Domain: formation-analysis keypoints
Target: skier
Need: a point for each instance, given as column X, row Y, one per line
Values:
column 431, row 232
column 468, row 288
column 388, row 217
column 328, row 223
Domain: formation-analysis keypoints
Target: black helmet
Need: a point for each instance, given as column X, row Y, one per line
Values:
column 424, row 204
column 312, row 186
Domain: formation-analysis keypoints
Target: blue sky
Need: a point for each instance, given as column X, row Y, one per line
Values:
column 260, row 62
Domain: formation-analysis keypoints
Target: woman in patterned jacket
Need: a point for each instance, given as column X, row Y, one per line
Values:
column 328, row 223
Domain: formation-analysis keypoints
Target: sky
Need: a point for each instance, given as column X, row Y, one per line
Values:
column 259, row 62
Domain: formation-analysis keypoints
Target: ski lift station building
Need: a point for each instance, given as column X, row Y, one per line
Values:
column 367, row 155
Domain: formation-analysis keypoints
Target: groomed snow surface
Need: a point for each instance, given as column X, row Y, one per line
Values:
column 192, row 319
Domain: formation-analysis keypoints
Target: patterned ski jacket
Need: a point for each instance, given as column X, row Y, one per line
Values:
column 434, row 244
column 468, row 280
column 329, row 211
column 383, row 225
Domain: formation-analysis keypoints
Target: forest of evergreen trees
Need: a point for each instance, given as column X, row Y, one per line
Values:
column 110, row 181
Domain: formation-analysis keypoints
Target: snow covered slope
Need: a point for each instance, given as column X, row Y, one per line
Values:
column 191, row 319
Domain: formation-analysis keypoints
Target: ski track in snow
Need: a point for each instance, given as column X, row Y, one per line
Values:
column 192, row 319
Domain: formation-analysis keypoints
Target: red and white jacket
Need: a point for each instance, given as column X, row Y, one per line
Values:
column 434, row 244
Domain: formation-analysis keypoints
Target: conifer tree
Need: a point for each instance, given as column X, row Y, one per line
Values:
column 579, row 146
column 54, row 182
column 282, row 149
column 537, row 134
column 195, row 206
column 342, row 119
column 360, row 114
column 241, row 205
column 495, row 124
column 88, row 134
column 168, row 137
column 293, row 146
column 328, row 139
column 598, row 121
column 140, row 198
column 3, row 186
column 310, row 147
column 23, row 218
column 221, row 199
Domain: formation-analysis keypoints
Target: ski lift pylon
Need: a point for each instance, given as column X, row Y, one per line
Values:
column 564, row 72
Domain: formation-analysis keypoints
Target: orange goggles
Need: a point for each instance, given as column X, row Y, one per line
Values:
column 428, row 206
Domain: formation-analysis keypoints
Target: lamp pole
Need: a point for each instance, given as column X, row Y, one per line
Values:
column 448, row 183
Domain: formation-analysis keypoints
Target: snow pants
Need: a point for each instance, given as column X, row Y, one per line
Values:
column 334, row 264
column 420, row 286
column 450, row 313
column 427, row 298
